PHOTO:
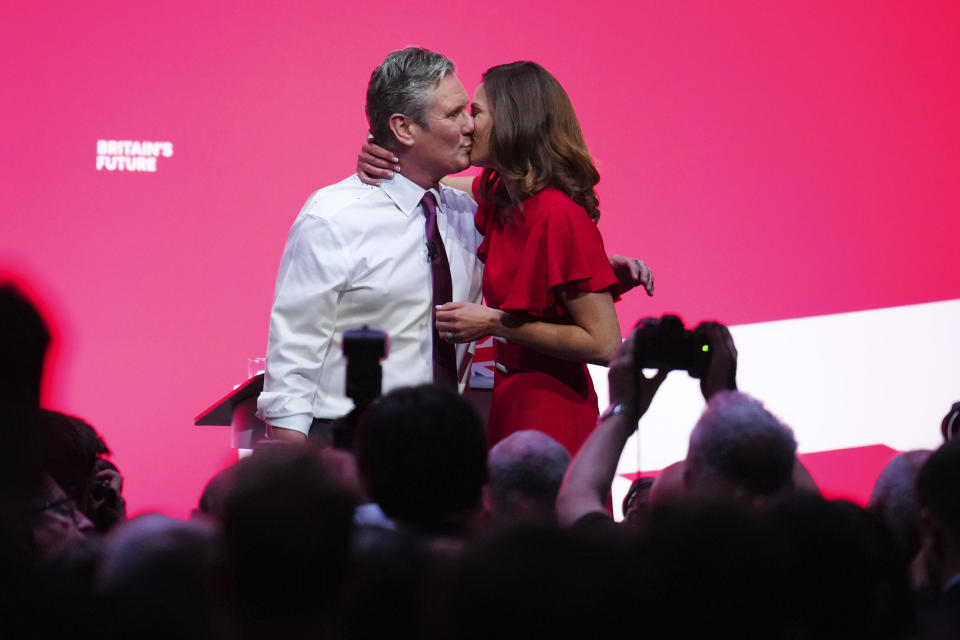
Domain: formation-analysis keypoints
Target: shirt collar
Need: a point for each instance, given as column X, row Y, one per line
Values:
column 407, row 194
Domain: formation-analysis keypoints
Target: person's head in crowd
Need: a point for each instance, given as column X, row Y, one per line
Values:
column 846, row 578
column 707, row 567
column 422, row 454
column 214, row 495
column 894, row 500
column 24, row 338
column 156, row 579
column 536, row 580
column 384, row 587
column 938, row 495
column 526, row 470
column 70, row 452
column 739, row 448
column 57, row 521
column 636, row 502
column 285, row 530
column 72, row 455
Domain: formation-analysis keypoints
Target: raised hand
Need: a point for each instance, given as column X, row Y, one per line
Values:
column 721, row 374
column 627, row 384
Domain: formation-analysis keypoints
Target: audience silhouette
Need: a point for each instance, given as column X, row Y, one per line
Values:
column 420, row 533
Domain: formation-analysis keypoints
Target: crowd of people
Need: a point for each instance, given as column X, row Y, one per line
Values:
column 421, row 532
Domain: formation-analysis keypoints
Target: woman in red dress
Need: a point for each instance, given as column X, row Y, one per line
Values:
column 547, row 281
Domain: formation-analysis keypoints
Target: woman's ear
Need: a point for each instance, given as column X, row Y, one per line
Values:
column 403, row 128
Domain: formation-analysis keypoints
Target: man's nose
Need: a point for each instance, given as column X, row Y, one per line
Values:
column 469, row 126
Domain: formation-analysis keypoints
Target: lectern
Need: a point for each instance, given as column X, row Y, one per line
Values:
column 238, row 410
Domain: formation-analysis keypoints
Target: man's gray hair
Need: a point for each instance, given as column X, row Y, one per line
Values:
column 401, row 85
column 530, row 464
column 739, row 441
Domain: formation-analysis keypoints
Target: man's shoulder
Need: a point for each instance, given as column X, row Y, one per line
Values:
column 457, row 202
column 327, row 203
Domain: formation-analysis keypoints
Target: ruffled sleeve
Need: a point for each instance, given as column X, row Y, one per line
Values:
column 563, row 251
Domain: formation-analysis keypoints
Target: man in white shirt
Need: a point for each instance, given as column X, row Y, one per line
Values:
column 357, row 254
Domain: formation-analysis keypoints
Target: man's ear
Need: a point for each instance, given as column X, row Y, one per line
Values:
column 404, row 129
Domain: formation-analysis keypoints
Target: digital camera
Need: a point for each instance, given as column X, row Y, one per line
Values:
column 668, row 345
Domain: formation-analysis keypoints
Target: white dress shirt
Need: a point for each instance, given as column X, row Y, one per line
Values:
column 356, row 255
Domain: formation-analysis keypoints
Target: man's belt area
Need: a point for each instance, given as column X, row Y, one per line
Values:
column 511, row 358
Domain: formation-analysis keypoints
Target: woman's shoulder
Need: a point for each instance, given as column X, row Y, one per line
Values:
column 554, row 203
column 549, row 196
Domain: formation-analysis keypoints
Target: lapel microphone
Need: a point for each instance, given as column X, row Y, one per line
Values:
column 431, row 251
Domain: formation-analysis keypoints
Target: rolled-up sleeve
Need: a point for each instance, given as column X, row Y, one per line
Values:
column 313, row 273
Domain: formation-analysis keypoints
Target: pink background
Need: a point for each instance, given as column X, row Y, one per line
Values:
column 769, row 160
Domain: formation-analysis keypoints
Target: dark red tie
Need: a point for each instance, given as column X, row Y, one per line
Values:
column 444, row 353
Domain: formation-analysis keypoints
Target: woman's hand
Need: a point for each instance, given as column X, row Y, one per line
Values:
column 466, row 321
column 374, row 162
column 631, row 272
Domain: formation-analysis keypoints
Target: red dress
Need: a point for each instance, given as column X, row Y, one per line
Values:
column 551, row 245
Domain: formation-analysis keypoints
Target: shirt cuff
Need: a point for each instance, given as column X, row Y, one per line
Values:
column 299, row 423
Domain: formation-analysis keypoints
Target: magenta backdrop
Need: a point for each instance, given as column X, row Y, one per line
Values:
column 769, row 160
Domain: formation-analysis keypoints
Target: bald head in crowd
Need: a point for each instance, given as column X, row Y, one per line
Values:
column 526, row 470
column 739, row 448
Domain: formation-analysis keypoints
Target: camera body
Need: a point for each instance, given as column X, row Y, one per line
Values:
column 668, row 345
column 363, row 349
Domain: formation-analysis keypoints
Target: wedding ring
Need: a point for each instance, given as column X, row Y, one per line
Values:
column 449, row 335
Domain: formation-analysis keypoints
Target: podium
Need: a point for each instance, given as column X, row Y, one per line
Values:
column 237, row 410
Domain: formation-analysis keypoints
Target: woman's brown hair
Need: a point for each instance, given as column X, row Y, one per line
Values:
column 535, row 141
